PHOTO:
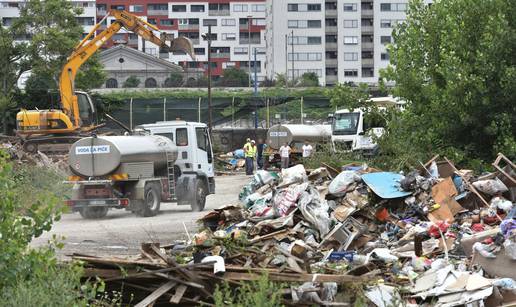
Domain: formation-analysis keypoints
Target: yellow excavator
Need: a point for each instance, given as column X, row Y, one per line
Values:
column 77, row 116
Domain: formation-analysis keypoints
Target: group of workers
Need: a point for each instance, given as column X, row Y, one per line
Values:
column 253, row 151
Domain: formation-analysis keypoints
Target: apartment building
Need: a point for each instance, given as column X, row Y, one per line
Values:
column 10, row 10
column 237, row 27
column 339, row 40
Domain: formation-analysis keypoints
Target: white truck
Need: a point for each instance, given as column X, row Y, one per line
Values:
column 165, row 161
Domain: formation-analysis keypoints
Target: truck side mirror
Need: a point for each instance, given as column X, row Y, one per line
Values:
column 361, row 133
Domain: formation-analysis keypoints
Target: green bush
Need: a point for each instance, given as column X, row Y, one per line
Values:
column 261, row 292
column 131, row 82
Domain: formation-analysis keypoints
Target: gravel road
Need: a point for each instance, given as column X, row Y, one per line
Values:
column 121, row 232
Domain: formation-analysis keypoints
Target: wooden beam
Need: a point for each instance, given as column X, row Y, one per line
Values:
column 156, row 294
column 180, row 291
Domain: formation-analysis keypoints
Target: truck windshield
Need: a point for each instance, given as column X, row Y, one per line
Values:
column 345, row 123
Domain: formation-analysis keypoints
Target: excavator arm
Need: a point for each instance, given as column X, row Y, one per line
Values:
column 90, row 44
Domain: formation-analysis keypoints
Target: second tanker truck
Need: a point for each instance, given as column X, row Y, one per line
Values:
column 165, row 161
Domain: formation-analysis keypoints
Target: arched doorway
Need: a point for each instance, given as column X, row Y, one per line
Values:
column 151, row 83
column 111, row 83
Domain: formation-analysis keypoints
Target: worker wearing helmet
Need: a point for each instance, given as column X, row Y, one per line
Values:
column 250, row 154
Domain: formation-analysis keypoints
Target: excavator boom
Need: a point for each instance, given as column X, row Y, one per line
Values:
column 51, row 125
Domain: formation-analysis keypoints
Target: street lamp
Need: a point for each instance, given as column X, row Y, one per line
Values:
column 249, row 18
column 207, row 36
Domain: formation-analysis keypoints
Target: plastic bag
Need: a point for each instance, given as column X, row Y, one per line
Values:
column 340, row 184
column 314, row 210
column 239, row 153
column 501, row 203
column 284, row 199
column 264, row 177
column 490, row 186
column 294, row 174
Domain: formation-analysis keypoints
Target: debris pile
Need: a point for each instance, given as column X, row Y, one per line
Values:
column 233, row 160
column 437, row 236
column 18, row 155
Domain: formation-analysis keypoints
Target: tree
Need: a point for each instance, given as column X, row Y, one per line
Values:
column 55, row 31
column 309, row 79
column 454, row 63
column 13, row 63
column 349, row 97
column 174, row 80
column 131, row 82
column 234, row 77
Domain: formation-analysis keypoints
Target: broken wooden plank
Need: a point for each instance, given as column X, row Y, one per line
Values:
column 180, row 291
column 196, row 300
column 156, row 294
column 294, row 277
column 172, row 278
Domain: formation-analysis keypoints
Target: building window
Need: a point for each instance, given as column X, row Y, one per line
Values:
column 350, row 7
column 258, row 21
column 152, row 21
column 304, row 40
column 305, row 56
column 111, row 83
column 348, row 23
column 240, row 8
column 350, row 56
column 199, row 51
column 299, row 72
column 302, row 7
column 393, row 7
column 240, row 50
column 166, row 22
column 228, row 36
column 385, row 40
column 350, row 40
column 228, row 22
column 258, row 7
column 136, row 8
column 118, row 7
column 195, row 8
column 385, row 23
column 177, row 8
column 385, row 56
column 302, row 24
column 209, row 22
column 350, row 72
column 151, row 83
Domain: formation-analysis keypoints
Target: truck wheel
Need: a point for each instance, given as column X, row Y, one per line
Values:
column 151, row 202
column 91, row 213
column 199, row 201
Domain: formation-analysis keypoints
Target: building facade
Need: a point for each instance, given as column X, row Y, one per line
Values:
column 339, row 40
column 237, row 27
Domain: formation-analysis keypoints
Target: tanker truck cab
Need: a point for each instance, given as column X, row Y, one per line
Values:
column 161, row 162
column 194, row 169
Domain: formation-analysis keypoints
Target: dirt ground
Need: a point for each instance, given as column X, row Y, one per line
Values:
column 121, row 232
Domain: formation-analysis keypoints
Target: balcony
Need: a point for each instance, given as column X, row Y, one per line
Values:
column 367, row 62
column 220, row 55
column 188, row 27
column 331, row 79
column 330, row 45
column 367, row 46
column 331, row 62
column 367, row 29
column 367, row 13
column 157, row 12
column 330, row 13
column 332, row 29
column 218, row 12
column 254, row 41
column 101, row 12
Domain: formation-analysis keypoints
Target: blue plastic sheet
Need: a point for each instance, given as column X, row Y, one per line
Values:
column 385, row 184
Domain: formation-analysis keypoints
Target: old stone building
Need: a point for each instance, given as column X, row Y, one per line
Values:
column 122, row 62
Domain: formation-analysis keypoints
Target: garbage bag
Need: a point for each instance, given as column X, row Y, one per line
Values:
column 285, row 199
column 264, row 177
column 260, row 179
column 294, row 174
column 490, row 186
column 314, row 210
column 340, row 184
column 259, row 204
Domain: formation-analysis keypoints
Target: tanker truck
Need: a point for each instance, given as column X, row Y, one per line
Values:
column 165, row 161
column 295, row 135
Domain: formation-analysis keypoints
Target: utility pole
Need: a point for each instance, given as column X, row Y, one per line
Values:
column 255, row 90
column 249, row 18
column 293, row 57
column 209, row 79
column 286, row 61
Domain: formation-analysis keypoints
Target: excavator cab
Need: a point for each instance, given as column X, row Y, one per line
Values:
column 87, row 112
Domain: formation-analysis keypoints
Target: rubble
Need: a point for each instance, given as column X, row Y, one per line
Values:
column 18, row 155
column 419, row 239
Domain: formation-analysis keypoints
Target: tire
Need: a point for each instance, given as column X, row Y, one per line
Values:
column 30, row 147
column 199, row 200
column 151, row 202
column 91, row 213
